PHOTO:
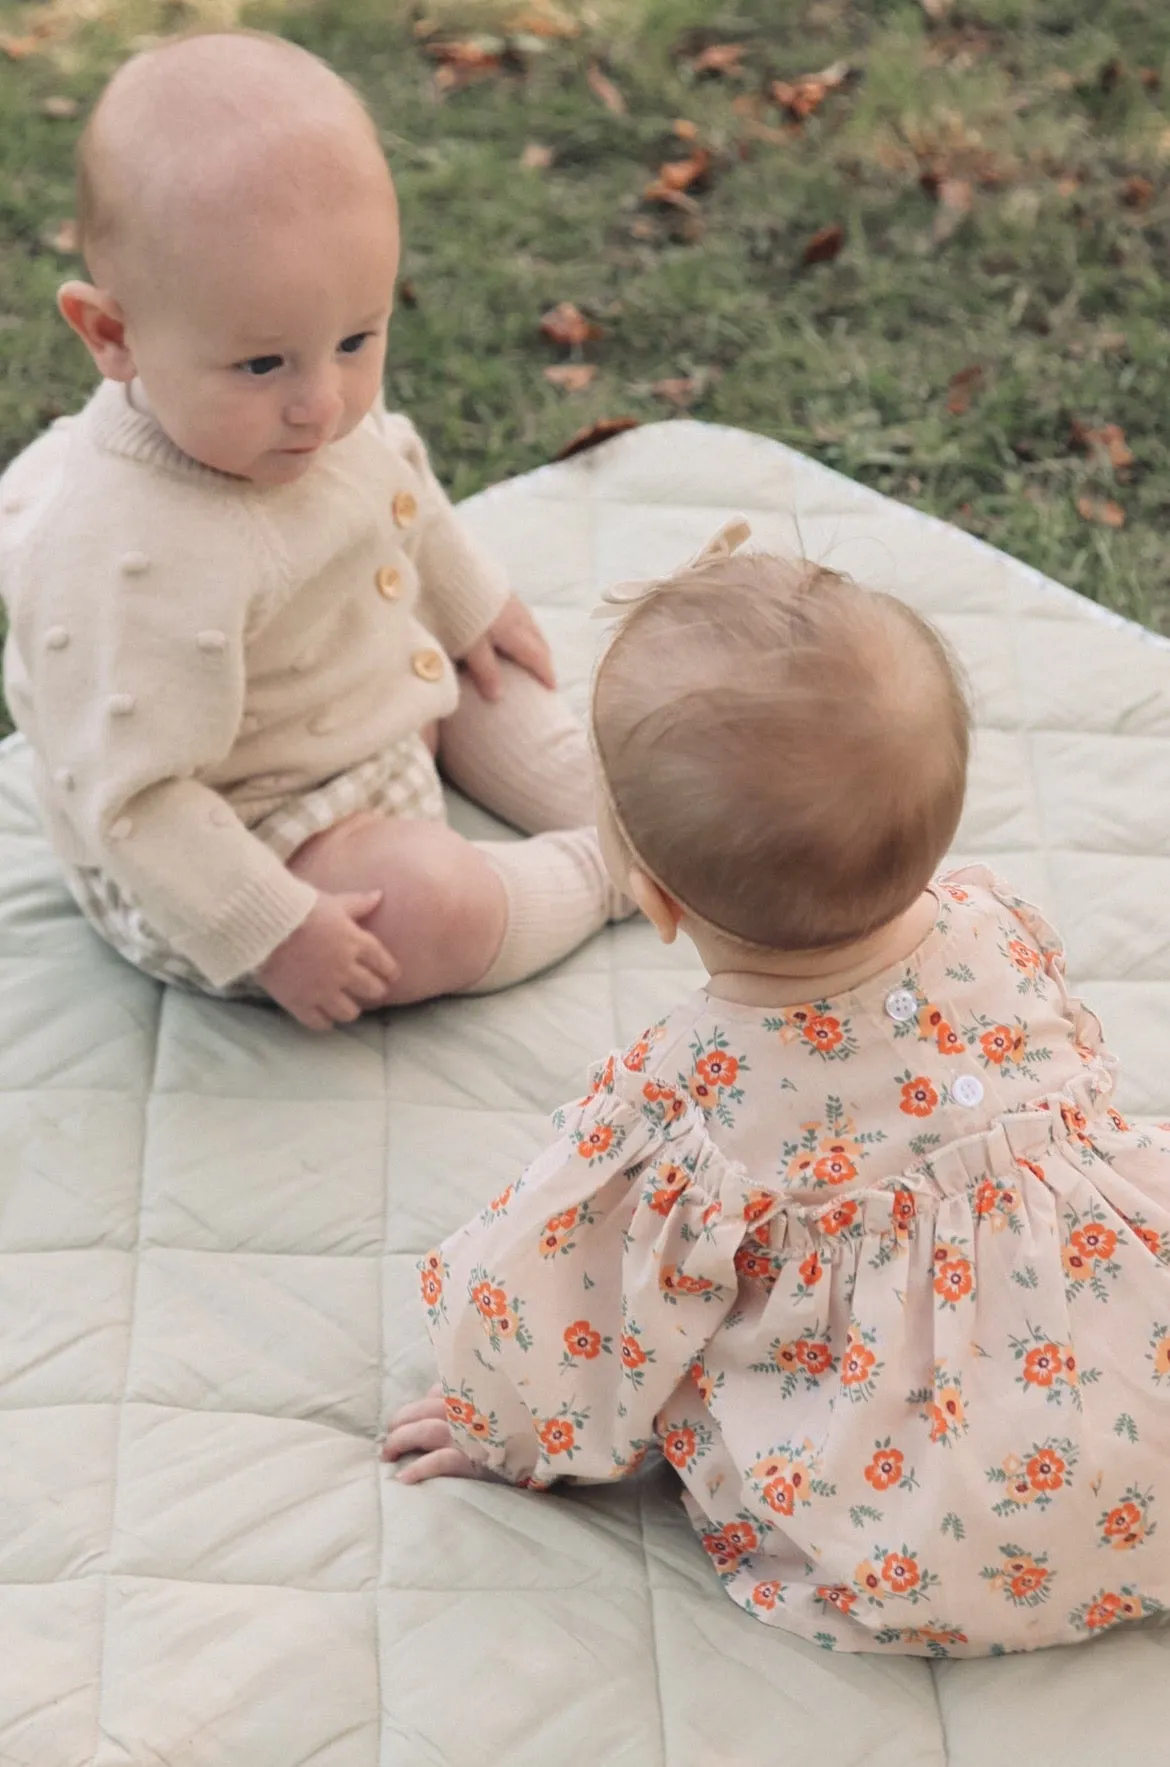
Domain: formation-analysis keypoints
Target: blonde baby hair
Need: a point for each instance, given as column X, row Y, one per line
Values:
column 783, row 750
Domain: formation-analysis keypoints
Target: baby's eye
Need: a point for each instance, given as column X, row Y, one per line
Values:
column 259, row 365
column 349, row 346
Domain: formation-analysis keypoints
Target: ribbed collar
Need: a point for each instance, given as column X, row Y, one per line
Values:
column 121, row 421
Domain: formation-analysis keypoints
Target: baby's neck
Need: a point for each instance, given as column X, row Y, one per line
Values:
column 789, row 978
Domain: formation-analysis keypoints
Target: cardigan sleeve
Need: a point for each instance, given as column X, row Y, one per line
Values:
column 132, row 661
column 462, row 589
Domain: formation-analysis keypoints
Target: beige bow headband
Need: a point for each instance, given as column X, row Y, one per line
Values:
column 621, row 597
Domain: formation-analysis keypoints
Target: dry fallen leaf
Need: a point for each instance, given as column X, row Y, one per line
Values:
column 462, row 61
column 537, row 157
column 63, row 238
column 603, row 87
column 593, row 434
column 719, row 58
column 565, row 324
column 824, row 245
column 1137, row 192
column 676, row 177
column 59, row 107
column 1102, row 510
column 680, row 391
column 955, row 196
column 684, row 129
column 543, row 20
column 962, row 387
column 800, row 98
column 1108, row 440
column 571, row 377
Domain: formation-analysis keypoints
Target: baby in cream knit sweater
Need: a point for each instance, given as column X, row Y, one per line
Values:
column 240, row 604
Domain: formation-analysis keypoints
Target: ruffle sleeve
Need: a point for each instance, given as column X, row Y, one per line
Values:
column 565, row 1315
column 1040, row 938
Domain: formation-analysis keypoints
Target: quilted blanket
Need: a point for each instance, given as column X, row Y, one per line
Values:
column 209, row 1222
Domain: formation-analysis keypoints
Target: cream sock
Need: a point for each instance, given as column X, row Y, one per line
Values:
column 525, row 757
column 559, row 892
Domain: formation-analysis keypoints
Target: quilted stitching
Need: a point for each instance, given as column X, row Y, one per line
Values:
column 208, row 1225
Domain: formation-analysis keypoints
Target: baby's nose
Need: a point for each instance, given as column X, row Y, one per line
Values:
column 318, row 404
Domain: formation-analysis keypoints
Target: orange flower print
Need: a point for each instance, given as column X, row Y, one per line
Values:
column 947, row 1415
column 673, row 1281
column 801, row 1168
column 562, row 1223
column 633, row 1355
column 811, row 1270
column 1076, row 1122
column 953, row 1280
column 834, row 1168
column 758, row 1203
column 823, row 1032
column 679, row 1446
column 711, row 1213
column 1078, row 1266
column 480, row 1426
column 1046, row 1471
column 720, row 1551
column 900, row 1571
column 949, row 1043
column 1094, row 1240
column 1124, row 1527
column 902, row 1210
column 603, row 1082
column 489, row 1302
column 856, row 1364
column 786, row 1356
column 918, row 1097
column 550, row 1243
column 635, row 1057
column 1149, row 1238
column 1043, row 1364
column 837, row 1596
column 1028, row 1581
column 764, row 1596
column 557, row 1435
column 1025, row 959
column 1033, row 1168
column 459, row 1412
column 885, row 1469
column 669, row 1183
column 432, row 1287
column 956, row 893
column 581, row 1340
column 741, row 1536
column 817, row 1358
column 868, row 1580
column 598, row 1141
column 1162, row 1356
column 717, row 1068
column 1118, row 1121
column 780, row 1495
column 752, row 1265
column 501, row 1202
column 998, row 1044
column 1103, row 1612
column 837, row 1219
column 704, row 1094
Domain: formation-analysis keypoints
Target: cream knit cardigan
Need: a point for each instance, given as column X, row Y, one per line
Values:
column 186, row 651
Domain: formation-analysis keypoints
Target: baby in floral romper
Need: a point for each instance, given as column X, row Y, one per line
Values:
column 855, row 1236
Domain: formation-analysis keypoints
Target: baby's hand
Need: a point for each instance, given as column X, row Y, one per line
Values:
column 421, row 1428
column 331, row 969
column 514, row 634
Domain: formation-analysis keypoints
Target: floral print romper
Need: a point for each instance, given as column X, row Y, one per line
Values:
column 884, row 1277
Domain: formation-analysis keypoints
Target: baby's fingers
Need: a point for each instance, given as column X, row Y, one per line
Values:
column 444, row 1463
column 421, row 1436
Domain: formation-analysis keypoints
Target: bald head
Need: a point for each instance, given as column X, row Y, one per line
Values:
column 241, row 123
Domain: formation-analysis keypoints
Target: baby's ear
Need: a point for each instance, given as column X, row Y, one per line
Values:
column 661, row 910
column 97, row 319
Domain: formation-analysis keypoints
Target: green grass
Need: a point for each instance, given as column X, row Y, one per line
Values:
column 1053, row 284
